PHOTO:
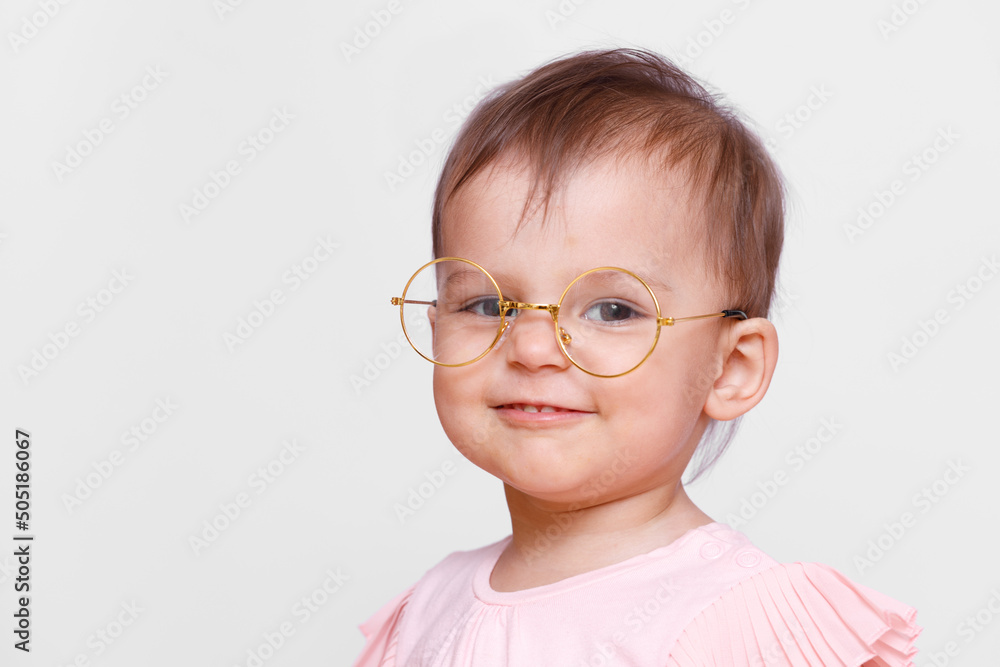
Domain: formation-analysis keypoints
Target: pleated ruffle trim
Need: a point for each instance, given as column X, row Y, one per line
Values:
column 799, row 614
column 380, row 633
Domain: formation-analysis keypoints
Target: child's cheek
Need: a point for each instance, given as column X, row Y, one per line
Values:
column 464, row 425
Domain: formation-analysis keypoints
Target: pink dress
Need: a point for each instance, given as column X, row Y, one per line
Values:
column 708, row 598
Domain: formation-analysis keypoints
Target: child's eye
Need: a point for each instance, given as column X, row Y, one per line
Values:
column 611, row 312
column 485, row 306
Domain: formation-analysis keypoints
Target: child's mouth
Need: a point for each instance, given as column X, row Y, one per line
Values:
column 526, row 407
column 539, row 414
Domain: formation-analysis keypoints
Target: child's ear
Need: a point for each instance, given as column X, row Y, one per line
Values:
column 751, row 351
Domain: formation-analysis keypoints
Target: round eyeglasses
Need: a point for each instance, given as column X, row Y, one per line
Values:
column 607, row 321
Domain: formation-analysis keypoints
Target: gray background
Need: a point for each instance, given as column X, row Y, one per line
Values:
column 847, row 301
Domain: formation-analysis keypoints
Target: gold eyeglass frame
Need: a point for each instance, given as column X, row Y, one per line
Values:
column 563, row 338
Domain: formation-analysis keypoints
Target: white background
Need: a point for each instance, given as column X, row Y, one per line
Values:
column 846, row 303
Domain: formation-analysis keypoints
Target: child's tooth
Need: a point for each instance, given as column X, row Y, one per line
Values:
column 530, row 408
column 547, row 408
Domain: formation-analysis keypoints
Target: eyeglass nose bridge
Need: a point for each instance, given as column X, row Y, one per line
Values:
column 552, row 308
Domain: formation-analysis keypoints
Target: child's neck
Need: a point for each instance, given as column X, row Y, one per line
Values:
column 550, row 545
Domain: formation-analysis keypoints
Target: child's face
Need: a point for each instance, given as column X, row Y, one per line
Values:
column 621, row 435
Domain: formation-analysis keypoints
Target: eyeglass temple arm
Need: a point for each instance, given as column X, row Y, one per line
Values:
column 671, row 321
column 399, row 301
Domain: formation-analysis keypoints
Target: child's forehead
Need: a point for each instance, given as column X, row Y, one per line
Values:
column 610, row 211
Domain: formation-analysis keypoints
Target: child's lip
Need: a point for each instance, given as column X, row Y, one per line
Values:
column 538, row 414
column 537, row 407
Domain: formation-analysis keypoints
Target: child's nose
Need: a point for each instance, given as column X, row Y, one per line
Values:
column 529, row 340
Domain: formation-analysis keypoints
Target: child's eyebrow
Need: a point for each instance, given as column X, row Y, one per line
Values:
column 658, row 285
column 461, row 275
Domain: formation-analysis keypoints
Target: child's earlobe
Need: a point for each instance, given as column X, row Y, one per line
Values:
column 751, row 355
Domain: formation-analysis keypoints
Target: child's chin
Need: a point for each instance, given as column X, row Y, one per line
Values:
column 570, row 490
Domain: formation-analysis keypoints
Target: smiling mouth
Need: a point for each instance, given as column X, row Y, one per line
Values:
column 525, row 407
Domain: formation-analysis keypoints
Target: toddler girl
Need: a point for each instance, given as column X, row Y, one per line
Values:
column 607, row 237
